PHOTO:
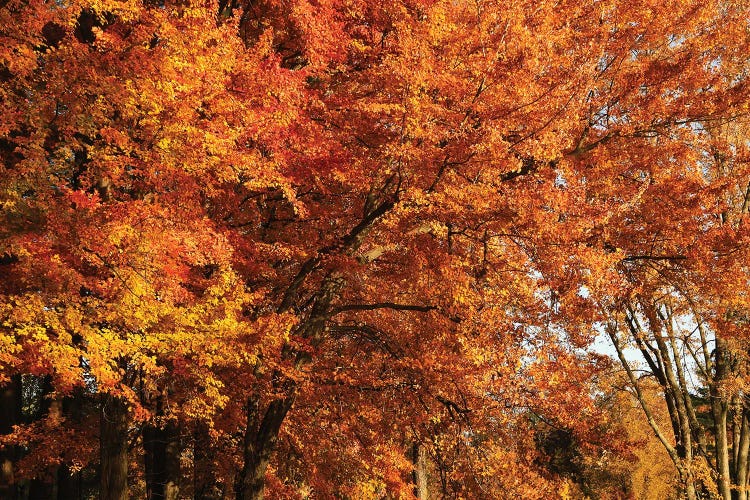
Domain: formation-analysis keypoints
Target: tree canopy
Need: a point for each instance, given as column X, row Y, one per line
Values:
column 345, row 249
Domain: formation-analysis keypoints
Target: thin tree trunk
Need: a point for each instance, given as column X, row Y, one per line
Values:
column 694, row 425
column 722, row 451
column 113, row 445
column 742, row 456
column 690, row 492
column 687, row 485
column 719, row 409
column 736, row 417
column 685, row 435
column 10, row 415
column 655, row 361
column 419, row 474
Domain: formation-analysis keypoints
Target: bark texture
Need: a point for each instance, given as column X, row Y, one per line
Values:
column 113, row 443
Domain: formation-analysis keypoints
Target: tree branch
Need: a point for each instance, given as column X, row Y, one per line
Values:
column 612, row 332
column 633, row 258
column 382, row 305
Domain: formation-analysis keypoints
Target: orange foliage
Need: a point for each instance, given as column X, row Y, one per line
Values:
column 392, row 221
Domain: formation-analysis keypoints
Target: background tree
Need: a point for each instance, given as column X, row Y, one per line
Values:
column 679, row 285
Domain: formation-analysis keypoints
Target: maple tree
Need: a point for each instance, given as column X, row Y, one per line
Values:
column 342, row 248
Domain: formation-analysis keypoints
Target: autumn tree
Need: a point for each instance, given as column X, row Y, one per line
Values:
column 359, row 234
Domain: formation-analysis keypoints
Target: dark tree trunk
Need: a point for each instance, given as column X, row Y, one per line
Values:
column 113, row 444
column 261, row 435
column 44, row 485
column 205, row 483
column 10, row 415
column 69, row 483
column 260, row 442
column 162, row 461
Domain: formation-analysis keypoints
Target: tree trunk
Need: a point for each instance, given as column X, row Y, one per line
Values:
column 719, row 408
column 260, row 438
column 205, row 484
column 162, row 461
column 44, row 485
column 735, row 415
column 161, row 444
column 113, row 444
column 69, row 483
column 687, row 486
column 10, row 415
column 690, row 489
column 419, row 474
column 742, row 455
column 722, row 451
column 260, row 441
